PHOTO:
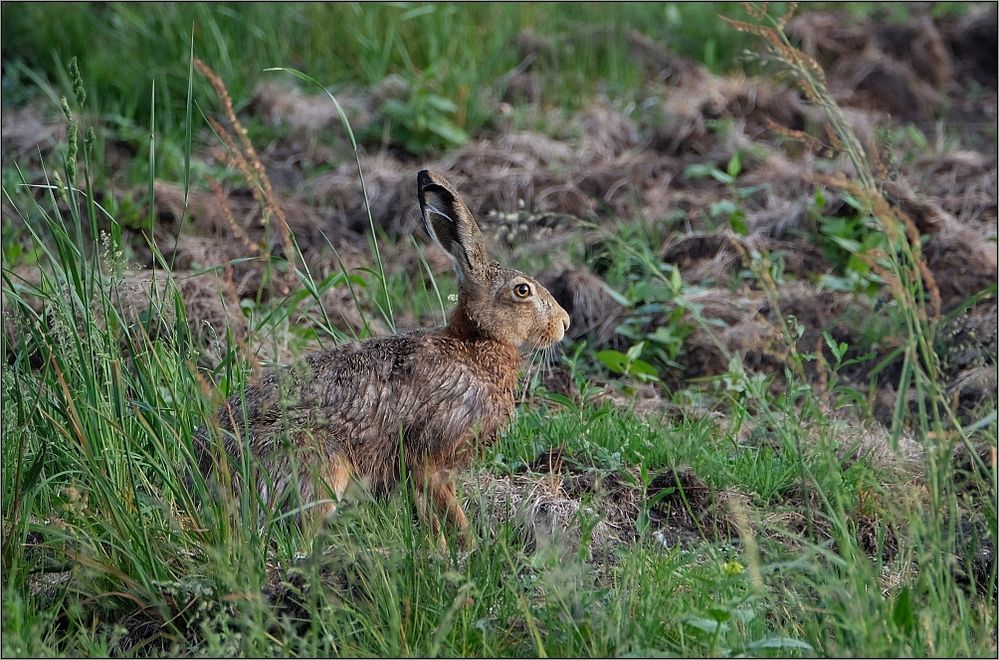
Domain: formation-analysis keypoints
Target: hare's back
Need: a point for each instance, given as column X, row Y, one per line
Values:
column 427, row 386
column 340, row 376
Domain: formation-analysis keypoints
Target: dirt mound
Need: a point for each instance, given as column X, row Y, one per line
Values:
column 237, row 214
column 735, row 327
column 306, row 115
column 28, row 130
column 963, row 264
column 967, row 346
column 710, row 258
column 972, row 40
column 907, row 69
column 963, row 183
column 753, row 105
column 514, row 171
column 391, row 198
column 759, row 331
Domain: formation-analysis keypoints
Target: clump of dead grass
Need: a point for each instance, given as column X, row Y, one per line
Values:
column 211, row 309
column 556, row 503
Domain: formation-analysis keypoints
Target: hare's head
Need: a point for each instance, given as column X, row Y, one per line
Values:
column 493, row 301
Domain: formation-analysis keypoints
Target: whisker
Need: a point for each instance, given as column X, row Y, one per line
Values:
column 539, row 356
column 530, row 372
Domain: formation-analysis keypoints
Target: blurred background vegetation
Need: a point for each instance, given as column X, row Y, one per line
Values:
column 455, row 51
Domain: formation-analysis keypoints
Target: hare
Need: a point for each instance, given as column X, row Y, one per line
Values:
column 423, row 401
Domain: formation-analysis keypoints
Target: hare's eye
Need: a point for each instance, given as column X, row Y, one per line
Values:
column 522, row 290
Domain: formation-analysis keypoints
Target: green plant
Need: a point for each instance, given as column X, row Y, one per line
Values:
column 850, row 243
column 730, row 209
column 422, row 123
column 628, row 363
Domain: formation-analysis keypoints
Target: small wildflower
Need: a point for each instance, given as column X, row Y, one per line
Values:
column 732, row 568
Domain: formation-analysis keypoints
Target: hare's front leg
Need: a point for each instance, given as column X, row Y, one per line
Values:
column 446, row 499
column 435, row 499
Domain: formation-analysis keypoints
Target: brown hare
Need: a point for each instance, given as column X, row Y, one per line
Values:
column 423, row 400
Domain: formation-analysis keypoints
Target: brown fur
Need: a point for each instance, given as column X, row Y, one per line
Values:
column 423, row 401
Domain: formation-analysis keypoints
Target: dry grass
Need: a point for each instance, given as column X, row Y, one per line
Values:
column 241, row 154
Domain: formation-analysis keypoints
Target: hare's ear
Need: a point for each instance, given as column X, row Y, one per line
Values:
column 450, row 223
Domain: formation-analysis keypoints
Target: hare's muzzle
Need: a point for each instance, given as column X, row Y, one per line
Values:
column 563, row 319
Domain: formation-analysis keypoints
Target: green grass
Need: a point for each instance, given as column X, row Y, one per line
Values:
column 455, row 47
column 98, row 415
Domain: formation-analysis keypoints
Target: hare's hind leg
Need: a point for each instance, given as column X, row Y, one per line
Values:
column 304, row 478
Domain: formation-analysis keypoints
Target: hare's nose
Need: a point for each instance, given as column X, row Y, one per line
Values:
column 565, row 322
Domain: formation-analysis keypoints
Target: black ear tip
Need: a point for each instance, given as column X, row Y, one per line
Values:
column 423, row 179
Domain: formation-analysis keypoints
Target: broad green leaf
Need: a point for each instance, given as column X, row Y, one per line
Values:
column 723, row 177
column 709, row 626
column 613, row 360
column 698, row 171
column 723, row 207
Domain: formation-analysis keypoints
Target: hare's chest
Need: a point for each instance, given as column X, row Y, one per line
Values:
column 481, row 411
column 461, row 405
column 455, row 413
